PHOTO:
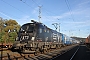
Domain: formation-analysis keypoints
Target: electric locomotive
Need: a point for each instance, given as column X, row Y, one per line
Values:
column 37, row 37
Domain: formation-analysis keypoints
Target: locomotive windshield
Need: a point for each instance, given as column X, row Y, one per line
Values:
column 27, row 27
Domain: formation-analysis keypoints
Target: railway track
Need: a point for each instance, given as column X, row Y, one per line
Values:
column 74, row 53
column 68, row 54
column 53, row 53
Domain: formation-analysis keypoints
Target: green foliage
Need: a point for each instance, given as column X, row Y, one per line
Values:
column 1, row 24
column 8, row 30
column 1, row 36
column 11, row 28
column 12, row 36
column 4, row 38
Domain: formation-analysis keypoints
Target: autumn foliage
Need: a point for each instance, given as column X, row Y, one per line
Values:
column 8, row 30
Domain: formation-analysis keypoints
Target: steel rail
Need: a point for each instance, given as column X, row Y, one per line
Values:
column 74, row 53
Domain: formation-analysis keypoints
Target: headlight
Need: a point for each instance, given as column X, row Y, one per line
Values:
column 26, row 37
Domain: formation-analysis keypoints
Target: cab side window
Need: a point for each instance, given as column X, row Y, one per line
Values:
column 47, row 31
column 40, row 30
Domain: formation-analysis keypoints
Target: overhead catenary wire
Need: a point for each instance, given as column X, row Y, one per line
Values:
column 35, row 3
column 33, row 8
column 12, row 6
column 26, row 4
column 49, row 13
column 7, row 14
column 69, row 8
column 44, row 8
column 37, row 6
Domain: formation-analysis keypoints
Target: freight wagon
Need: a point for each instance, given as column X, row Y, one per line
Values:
column 6, row 45
column 87, row 41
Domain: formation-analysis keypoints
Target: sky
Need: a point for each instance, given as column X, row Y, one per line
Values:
column 73, row 16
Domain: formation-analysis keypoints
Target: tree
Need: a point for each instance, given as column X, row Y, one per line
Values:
column 1, row 36
column 12, row 36
column 8, row 30
column 11, row 25
column 5, row 38
column 10, row 22
column 2, row 21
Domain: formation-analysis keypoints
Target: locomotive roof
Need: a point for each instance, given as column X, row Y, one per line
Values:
column 44, row 26
column 41, row 25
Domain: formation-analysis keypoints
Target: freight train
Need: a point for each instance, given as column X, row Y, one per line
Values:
column 87, row 41
column 36, row 36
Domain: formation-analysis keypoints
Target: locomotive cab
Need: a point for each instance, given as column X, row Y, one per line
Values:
column 27, row 32
column 26, row 36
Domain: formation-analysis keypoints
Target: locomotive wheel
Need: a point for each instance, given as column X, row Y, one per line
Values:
column 22, row 49
column 45, row 50
column 37, row 51
column 41, row 50
column 58, row 46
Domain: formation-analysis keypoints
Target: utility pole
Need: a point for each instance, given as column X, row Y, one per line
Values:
column 59, row 27
column 39, row 13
